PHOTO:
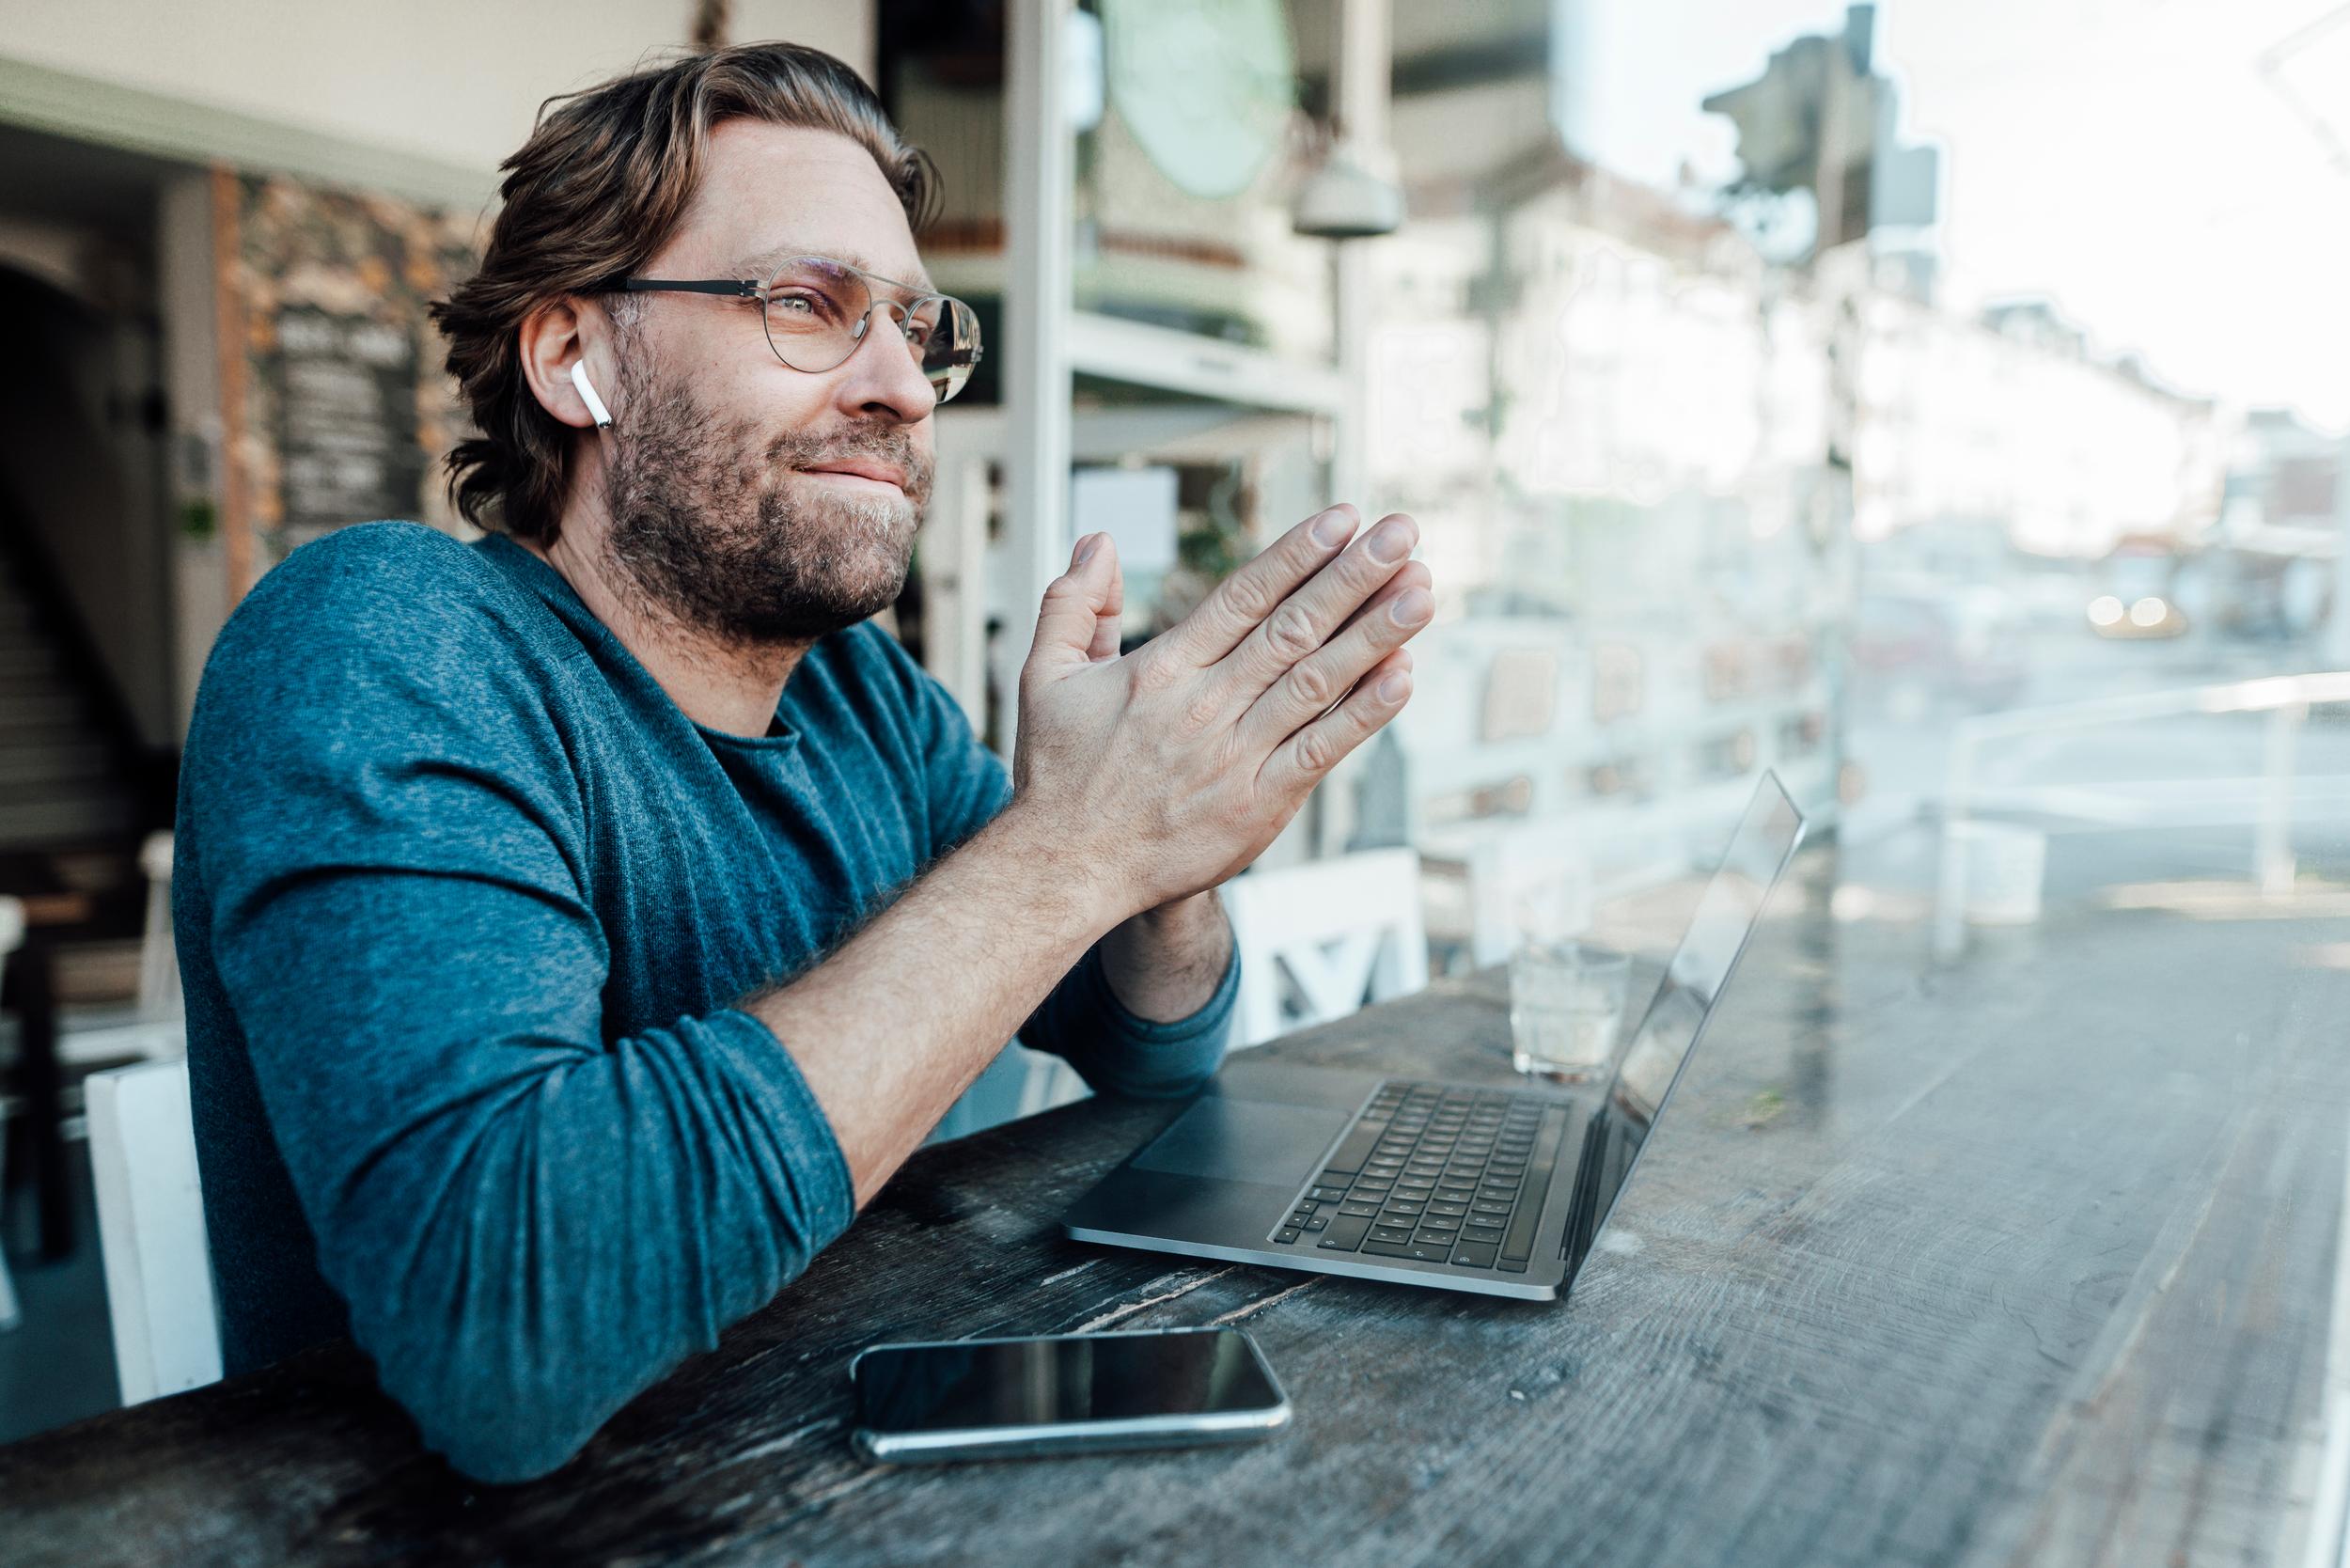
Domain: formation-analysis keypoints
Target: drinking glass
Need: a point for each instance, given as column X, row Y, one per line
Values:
column 1566, row 1005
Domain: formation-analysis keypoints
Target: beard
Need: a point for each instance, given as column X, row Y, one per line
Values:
column 723, row 535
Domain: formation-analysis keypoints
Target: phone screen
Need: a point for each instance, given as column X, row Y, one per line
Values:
column 1058, row 1380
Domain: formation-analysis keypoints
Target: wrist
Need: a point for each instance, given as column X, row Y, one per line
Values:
column 1179, row 916
column 1059, row 872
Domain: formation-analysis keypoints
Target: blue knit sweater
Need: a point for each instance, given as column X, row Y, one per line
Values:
column 464, row 903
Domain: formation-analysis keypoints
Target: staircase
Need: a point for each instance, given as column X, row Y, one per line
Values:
column 62, row 782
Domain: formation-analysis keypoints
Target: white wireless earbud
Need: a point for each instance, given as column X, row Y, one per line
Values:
column 601, row 414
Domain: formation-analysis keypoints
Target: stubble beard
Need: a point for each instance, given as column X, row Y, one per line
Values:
column 725, row 539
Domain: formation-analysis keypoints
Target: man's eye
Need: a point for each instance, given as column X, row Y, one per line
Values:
column 799, row 303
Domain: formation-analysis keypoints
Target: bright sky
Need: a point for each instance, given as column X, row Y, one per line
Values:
column 2126, row 157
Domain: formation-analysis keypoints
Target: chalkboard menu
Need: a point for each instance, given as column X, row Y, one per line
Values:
column 346, row 446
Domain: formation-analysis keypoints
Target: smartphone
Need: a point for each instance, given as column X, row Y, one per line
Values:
column 1063, row 1393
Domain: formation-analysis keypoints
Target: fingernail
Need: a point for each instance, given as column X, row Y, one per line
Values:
column 1334, row 527
column 1086, row 547
column 1394, row 687
column 1390, row 541
column 1411, row 607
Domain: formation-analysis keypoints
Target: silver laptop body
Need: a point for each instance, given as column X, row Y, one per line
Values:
column 1493, row 1190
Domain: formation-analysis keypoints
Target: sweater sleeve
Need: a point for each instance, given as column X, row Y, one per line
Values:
column 1082, row 1020
column 529, row 1222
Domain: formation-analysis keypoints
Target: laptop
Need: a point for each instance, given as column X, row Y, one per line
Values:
column 1496, row 1191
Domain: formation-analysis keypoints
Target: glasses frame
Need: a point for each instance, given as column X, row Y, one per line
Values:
column 753, row 289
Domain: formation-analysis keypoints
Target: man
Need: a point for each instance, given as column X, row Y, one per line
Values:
column 580, row 924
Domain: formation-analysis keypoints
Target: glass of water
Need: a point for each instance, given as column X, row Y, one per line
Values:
column 1566, row 1004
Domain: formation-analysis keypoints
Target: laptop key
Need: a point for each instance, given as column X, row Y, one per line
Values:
column 1431, row 1252
column 1469, row 1254
column 1346, row 1233
column 1391, row 1233
column 1363, row 1210
column 1519, row 1243
column 1357, row 1148
column 1388, row 1249
column 1318, row 1222
column 1326, row 1194
column 1290, row 1235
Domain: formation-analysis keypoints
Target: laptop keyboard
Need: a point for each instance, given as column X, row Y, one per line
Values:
column 1437, row 1174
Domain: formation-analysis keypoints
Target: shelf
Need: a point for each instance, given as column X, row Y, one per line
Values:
column 1171, row 361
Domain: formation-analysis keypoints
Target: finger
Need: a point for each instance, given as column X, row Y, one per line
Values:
column 1071, row 615
column 1252, row 593
column 1300, row 762
column 1310, row 617
column 1411, row 574
column 1394, row 616
column 1109, row 618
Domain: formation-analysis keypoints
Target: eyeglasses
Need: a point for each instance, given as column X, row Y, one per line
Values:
column 817, row 311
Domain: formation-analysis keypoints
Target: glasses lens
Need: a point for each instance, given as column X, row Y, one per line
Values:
column 814, row 308
column 949, row 344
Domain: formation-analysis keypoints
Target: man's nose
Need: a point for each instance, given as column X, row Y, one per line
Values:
column 883, row 377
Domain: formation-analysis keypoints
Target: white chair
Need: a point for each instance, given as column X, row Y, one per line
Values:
column 1317, row 941
column 150, row 1229
column 11, row 937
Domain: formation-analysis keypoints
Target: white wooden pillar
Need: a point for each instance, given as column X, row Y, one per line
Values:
column 1039, row 168
column 2337, row 624
column 1359, row 77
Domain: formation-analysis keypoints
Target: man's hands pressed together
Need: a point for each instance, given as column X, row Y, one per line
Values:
column 1163, row 772
column 1141, row 781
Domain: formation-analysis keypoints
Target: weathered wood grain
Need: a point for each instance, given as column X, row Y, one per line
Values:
column 2028, row 1260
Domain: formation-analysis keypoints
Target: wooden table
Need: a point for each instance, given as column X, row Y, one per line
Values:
column 2029, row 1258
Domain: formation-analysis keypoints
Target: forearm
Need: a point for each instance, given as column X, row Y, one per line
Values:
column 1166, row 964
column 891, row 1028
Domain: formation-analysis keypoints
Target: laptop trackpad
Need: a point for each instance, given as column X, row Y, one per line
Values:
column 1245, row 1140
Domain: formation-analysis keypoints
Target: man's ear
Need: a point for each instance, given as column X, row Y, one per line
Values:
column 552, row 338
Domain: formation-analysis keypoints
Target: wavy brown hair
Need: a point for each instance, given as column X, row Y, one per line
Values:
column 598, row 189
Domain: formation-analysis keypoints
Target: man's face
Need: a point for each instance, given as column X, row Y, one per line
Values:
column 732, row 489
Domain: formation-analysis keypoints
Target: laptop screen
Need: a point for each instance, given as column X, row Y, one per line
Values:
column 1651, row 1064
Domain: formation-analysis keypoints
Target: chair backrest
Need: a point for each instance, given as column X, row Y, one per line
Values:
column 1317, row 941
column 1534, row 880
column 150, row 1229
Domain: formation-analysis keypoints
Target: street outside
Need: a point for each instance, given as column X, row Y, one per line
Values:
column 1902, row 742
